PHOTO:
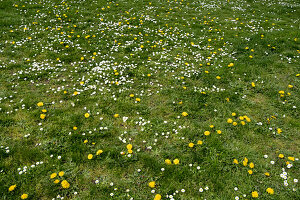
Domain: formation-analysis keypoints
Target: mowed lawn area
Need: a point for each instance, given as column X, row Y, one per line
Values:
column 149, row 99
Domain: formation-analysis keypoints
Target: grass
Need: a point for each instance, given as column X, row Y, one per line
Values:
column 150, row 62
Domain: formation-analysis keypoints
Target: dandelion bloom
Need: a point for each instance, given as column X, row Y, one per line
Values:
column 251, row 165
column 42, row 116
column 56, row 181
column 281, row 156
column 86, row 115
column 235, row 161
column 152, row 184
column 191, row 145
column 90, row 156
column 168, row 162
column 99, row 152
column 40, row 104
column 61, row 173
column 199, row 142
column 116, row 115
column 254, row 194
column 157, row 197
column 207, row 133
column 184, row 114
column 270, row 190
column 65, row 184
column 11, row 188
column 53, row 175
column 24, row 196
column 176, row 161
column 129, row 146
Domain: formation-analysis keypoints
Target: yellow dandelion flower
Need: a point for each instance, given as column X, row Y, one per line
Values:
column 235, row 161
column 254, row 194
column 12, row 187
column 24, row 196
column 176, row 161
column 157, row 197
column 65, row 184
column 53, row 175
column 199, row 142
column 152, row 184
column 61, row 173
column 86, row 115
column 99, row 152
column 184, row 114
column 207, row 133
column 168, row 162
column 40, row 104
column 270, row 190
column 90, row 156
column 191, row 145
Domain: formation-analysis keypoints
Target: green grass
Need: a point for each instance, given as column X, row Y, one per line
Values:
column 169, row 55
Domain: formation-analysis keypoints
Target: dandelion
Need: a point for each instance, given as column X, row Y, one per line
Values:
column 152, row 184
column 157, row 197
column 251, row 165
column 138, row 99
column 176, row 161
column 99, row 152
column 116, row 115
column 199, row 142
column 65, row 184
column 86, row 115
column 270, row 190
column 219, row 131
column 229, row 120
column 61, row 173
column 267, row 174
column 207, row 133
column 40, row 104
column 53, row 175
column 235, row 161
column 90, row 156
column 184, row 114
column 56, row 181
column 254, row 194
column 42, row 116
column 168, row 162
column 12, row 187
column 280, row 156
column 24, row 196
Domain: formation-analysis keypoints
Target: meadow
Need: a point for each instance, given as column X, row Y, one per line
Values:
column 152, row 99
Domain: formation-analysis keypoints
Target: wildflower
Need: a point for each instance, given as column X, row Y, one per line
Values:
column 233, row 114
column 40, row 104
column 129, row 146
column 219, row 131
column 234, row 123
column 254, row 194
column 53, row 175
column 207, row 133
column 168, row 162
column 245, row 161
column 199, row 142
column 230, row 65
column 90, row 156
column 279, row 130
column 138, row 99
column 65, row 184
column 250, row 171
column 157, row 197
column 61, row 173
column 291, row 158
column 218, row 77
column 152, row 184
column 116, row 115
column 267, row 174
column 44, row 110
column 42, row 116
column 131, row 95
column 176, row 161
column 74, row 128
column 235, row 161
column 270, row 190
column 12, row 187
column 184, row 114
column 99, row 152
column 86, row 115
column 281, row 156
column 24, row 196
column 251, row 165
column 56, row 181
column 191, row 145
column 229, row 120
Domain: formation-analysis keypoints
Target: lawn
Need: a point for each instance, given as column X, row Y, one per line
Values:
column 154, row 99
